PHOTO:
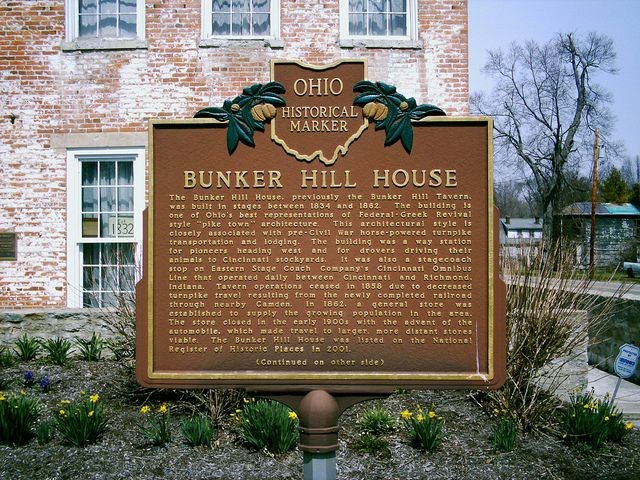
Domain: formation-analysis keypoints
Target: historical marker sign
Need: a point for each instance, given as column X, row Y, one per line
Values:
column 361, row 268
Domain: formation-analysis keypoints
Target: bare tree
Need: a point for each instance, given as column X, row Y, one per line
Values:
column 545, row 104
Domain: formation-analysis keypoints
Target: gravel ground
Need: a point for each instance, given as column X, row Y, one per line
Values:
column 466, row 452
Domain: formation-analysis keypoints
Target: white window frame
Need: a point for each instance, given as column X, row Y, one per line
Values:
column 410, row 40
column 72, row 31
column 74, row 215
column 210, row 40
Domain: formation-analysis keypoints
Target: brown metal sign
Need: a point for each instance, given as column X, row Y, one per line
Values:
column 373, row 271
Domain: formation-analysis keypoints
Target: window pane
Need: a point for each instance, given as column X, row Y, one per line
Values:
column 127, row 278
column 127, row 6
column 125, row 173
column 89, row 225
column 377, row 24
column 91, row 278
column 108, row 26
column 109, row 254
column 89, row 199
column 356, row 6
column 109, row 300
column 109, row 278
column 398, row 25
column 87, row 6
column 107, row 199
column 89, row 300
column 240, row 24
column 89, row 173
column 107, row 6
column 107, row 173
column 261, row 5
column 127, row 26
column 240, row 5
column 126, row 253
column 399, row 6
column 108, row 225
column 125, row 199
column 221, row 6
column 221, row 24
column 91, row 254
column 261, row 24
column 88, row 26
column 356, row 24
column 375, row 6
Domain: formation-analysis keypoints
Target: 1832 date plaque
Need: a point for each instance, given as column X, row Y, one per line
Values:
column 267, row 269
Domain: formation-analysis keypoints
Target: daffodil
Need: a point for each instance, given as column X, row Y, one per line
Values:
column 90, row 413
column 2, row 397
column 62, row 413
column 420, row 418
column 432, row 414
column 606, row 419
column 145, row 409
column 163, row 409
column 293, row 416
column 406, row 414
column 628, row 425
column 94, row 398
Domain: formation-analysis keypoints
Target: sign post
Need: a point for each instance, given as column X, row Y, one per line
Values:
column 625, row 364
column 349, row 250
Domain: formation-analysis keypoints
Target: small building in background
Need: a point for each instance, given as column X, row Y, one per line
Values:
column 616, row 233
column 520, row 237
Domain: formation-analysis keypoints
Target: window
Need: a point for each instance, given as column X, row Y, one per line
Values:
column 378, row 20
column 105, row 201
column 105, row 23
column 240, row 19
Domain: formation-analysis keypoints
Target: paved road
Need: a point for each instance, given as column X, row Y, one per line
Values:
column 628, row 291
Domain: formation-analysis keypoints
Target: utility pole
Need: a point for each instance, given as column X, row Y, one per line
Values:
column 594, row 192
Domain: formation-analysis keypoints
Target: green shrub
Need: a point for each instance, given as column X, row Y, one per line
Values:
column 6, row 359
column 18, row 414
column 91, row 350
column 82, row 422
column 197, row 431
column 57, row 350
column 377, row 421
column 268, row 425
column 372, row 444
column 590, row 422
column 503, row 432
column 27, row 348
column 424, row 431
column 44, row 432
column 156, row 428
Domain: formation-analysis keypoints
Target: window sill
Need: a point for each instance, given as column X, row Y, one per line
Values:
column 380, row 43
column 218, row 42
column 104, row 44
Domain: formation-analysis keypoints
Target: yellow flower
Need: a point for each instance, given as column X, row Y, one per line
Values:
column 163, row 408
column 94, row 398
column 606, row 419
column 91, row 413
column 496, row 411
column 65, row 402
column 406, row 414
column 432, row 414
column 420, row 418
column 2, row 397
column 628, row 425
column 23, row 392
column 62, row 413
column 293, row 416
column 145, row 409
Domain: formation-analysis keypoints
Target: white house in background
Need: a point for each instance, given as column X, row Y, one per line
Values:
column 518, row 235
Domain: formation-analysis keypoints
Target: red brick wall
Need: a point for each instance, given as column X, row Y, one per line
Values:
column 45, row 91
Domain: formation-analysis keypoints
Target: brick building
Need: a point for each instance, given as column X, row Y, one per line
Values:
column 79, row 80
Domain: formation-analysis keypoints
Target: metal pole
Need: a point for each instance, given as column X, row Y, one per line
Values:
column 594, row 193
column 320, row 466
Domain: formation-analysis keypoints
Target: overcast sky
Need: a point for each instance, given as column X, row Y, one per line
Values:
column 495, row 24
